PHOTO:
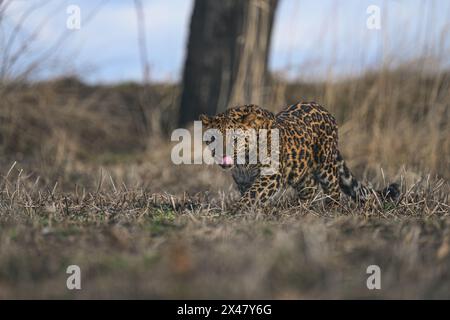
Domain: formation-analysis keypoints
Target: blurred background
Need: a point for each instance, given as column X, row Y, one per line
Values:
column 93, row 86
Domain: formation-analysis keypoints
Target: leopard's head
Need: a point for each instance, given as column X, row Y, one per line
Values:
column 236, row 130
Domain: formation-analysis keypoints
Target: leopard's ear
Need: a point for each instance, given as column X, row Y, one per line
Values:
column 205, row 119
column 249, row 118
column 252, row 119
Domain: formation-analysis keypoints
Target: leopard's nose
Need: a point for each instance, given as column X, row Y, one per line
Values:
column 226, row 162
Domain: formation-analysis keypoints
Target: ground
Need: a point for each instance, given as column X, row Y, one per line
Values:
column 86, row 179
column 133, row 243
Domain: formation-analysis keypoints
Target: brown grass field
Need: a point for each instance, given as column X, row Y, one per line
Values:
column 86, row 179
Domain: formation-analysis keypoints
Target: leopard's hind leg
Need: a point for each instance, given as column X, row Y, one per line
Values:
column 328, row 178
column 327, row 170
column 306, row 188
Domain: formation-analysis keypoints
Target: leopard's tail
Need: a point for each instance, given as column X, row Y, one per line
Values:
column 357, row 190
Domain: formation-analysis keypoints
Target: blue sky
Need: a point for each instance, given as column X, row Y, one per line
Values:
column 310, row 39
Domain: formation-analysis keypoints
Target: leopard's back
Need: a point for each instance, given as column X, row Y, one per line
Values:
column 307, row 133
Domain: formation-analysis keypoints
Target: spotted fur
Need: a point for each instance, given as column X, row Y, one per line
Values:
column 309, row 155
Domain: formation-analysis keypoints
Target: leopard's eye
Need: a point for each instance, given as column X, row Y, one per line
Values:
column 211, row 140
column 237, row 135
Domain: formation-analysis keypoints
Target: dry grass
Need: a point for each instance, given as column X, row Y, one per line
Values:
column 131, row 243
column 86, row 179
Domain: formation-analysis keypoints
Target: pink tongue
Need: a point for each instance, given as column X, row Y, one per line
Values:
column 226, row 160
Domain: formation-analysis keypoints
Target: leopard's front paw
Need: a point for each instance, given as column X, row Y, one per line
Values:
column 243, row 205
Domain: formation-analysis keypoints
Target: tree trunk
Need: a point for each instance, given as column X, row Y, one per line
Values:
column 227, row 56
